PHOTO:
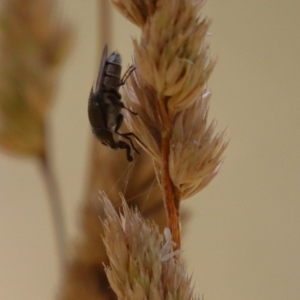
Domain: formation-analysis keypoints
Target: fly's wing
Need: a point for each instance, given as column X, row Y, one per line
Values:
column 101, row 69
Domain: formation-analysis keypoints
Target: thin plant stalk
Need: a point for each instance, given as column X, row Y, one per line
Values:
column 33, row 45
column 55, row 205
column 171, row 201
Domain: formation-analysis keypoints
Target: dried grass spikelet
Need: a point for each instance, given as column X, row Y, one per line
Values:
column 33, row 45
column 136, row 11
column 142, row 263
column 168, row 90
column 194, row 143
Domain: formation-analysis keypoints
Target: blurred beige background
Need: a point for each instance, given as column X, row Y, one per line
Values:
column 243, row 240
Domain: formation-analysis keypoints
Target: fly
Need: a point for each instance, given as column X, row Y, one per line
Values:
column 104, row 108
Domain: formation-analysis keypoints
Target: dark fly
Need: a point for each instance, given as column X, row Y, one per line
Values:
column 105, row 104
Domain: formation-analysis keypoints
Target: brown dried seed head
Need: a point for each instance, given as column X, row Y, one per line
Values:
column 32, row 46
column 168, row 90
column 176, row 69
column 196, row 152
column 142, row 264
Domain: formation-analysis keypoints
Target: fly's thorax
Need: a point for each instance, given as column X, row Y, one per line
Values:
column 112, row 72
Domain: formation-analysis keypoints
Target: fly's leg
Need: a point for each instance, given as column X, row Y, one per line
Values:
column 131, row 111
column 122, row 82
column 127, row 74
column 127, row 135
column 119, row 121
column 131, row 134
column 106, row 138
column 124, row 145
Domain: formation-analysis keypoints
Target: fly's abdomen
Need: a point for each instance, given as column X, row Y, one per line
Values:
column 112, row 72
